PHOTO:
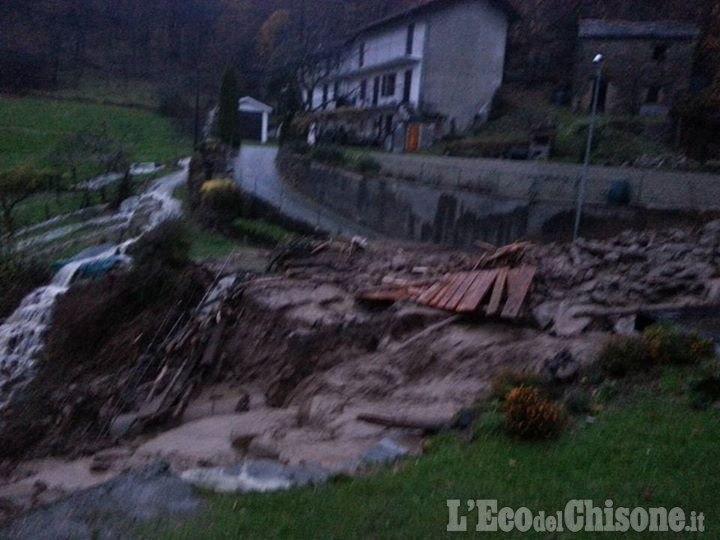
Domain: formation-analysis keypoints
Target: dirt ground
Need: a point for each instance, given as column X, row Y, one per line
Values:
column 295, row 357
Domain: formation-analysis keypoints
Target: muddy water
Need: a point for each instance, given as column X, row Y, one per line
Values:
column 22, row 334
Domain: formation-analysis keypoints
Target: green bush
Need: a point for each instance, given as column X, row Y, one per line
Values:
column 221, row 201
column 332, row 155
column 667, row 346
column 506, row 380
column 578, row 401
column 368, row 165
column 659, row 345
column 529, row 415
column 261, row 231
column 300, row 147
column 622, row 355
column 704, row 388
column 490, row 147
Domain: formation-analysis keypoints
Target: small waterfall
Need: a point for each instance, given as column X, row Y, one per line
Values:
column 22, row 334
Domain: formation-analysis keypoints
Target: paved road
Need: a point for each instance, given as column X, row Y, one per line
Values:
column 256, row 173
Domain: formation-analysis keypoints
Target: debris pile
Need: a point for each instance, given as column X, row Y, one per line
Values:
column 475, row 292
column 348, row 344
column 603, row 282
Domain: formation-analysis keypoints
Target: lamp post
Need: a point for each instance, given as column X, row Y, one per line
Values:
column 598, row 63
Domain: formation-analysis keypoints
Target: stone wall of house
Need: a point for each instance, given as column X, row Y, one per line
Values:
column 631, row 72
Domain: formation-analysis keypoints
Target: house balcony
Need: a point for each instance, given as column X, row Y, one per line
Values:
column 394, row 64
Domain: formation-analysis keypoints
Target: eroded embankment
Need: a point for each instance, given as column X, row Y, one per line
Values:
column 290, row 366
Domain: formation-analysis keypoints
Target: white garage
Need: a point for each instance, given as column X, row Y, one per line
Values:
column 254, row 118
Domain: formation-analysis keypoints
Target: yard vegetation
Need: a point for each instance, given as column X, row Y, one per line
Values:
column 59, row 143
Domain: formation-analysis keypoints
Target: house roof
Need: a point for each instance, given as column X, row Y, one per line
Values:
column 604, row 29
column 250, row 104
column 429, row 6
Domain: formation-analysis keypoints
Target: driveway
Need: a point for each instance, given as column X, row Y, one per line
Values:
column 256, row 173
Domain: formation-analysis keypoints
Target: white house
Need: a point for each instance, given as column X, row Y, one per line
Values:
column 436, row 66
column 254, row 118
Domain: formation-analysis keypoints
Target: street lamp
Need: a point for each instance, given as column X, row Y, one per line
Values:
column 598, row 63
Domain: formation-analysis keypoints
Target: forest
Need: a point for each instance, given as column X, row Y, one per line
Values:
column 178, row 49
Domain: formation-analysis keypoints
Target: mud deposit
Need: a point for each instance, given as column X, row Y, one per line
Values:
column 288, row 367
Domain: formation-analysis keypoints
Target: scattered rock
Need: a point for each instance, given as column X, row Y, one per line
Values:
column 544, row 314
column 263, row 447
column 562, row 368
column 243, row 404
column 255, row 476
column 568, row 323
column 625, row 326
column 385, row 452
column 124, row 425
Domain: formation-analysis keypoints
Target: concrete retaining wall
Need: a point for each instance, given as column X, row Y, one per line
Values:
column 556, row 182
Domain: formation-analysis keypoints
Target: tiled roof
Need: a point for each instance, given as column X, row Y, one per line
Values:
column 430, row 6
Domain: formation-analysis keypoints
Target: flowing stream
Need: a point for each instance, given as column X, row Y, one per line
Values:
column 22, row 334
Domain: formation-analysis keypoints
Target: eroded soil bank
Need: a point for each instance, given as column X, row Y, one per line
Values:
column 289, row 366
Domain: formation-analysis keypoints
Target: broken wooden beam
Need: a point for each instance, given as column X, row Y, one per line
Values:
column 426, row 425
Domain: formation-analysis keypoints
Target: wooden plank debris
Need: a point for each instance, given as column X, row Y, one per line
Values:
column 465, row 283
column 519, row 282
column 477, row 293
column 498, row 292
column 467, row 292
column 429, row 293
column 426, row 425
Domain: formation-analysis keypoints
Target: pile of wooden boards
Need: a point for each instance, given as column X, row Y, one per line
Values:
column 497, row 292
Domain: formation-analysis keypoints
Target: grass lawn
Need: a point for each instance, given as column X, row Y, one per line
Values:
column 31, row 128
column 204, row 244
column 116, row 91
column 654, row 451
column 46, row 205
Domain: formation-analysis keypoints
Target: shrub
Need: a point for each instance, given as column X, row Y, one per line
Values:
column 667, row 345
column 578, row 401
column 705, row 387
column 332, row 155
column 261, row 231
column 368, row 165
column 300, row 147
column 506, row 380
column 490, row 147
column 528, row 415
column 221, row 201
column 622, row 355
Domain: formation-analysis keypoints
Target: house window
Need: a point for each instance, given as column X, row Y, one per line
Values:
column 388, row 85
column 336, row 90
column 361, row 56
column 407, row 86
column 376, row 90
column 363, row 89
column 660, row 52
column 410, row 39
